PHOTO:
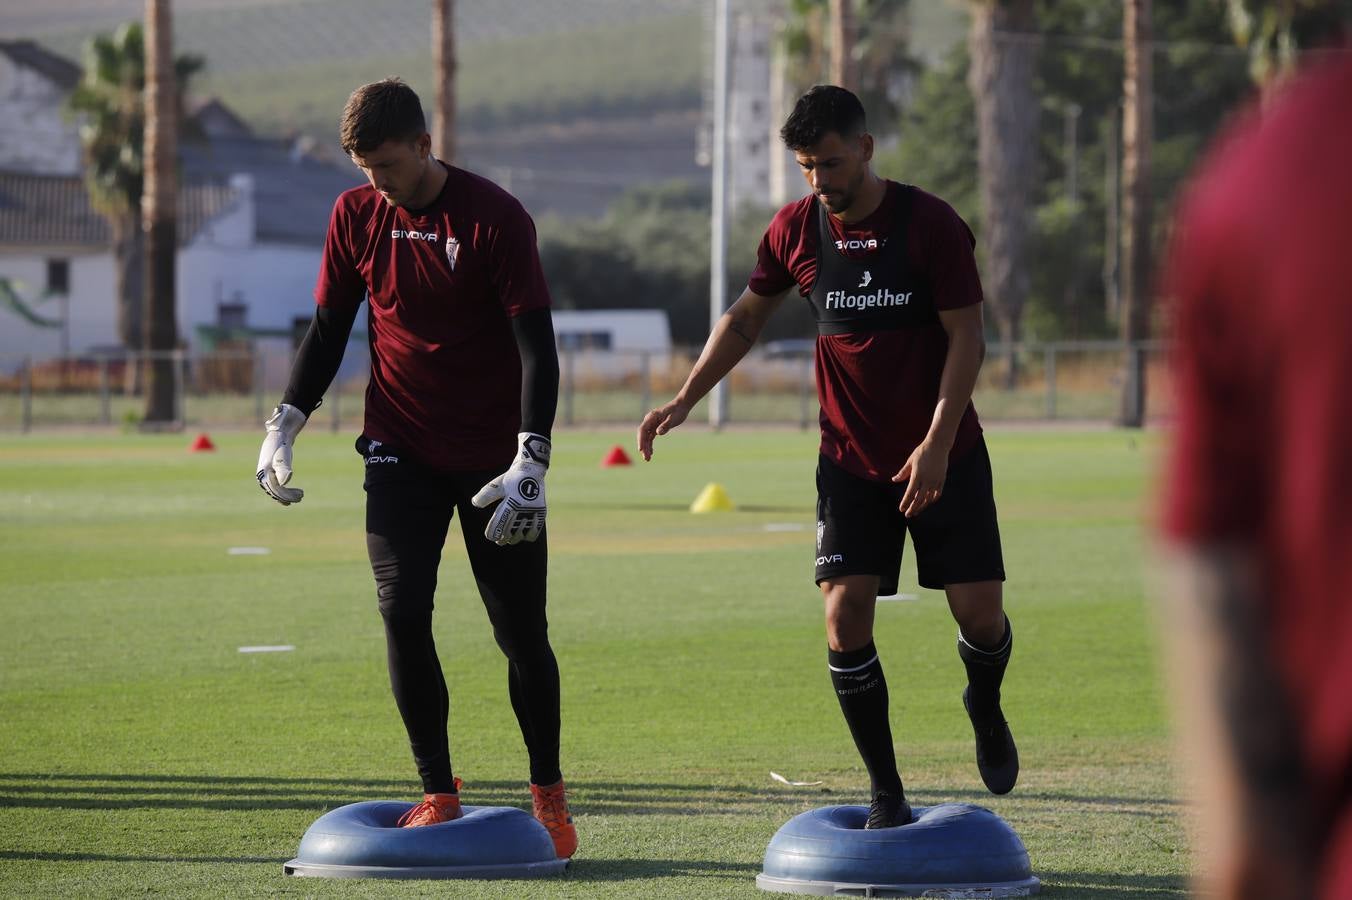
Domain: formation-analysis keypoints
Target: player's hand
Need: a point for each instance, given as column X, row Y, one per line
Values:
column 926, row 470
column 274, row 460
column 521, row 514
column 659, row 421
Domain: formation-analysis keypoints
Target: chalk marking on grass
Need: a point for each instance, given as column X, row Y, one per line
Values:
column 249, row 551
column 892, row 598
column 785, row 526
column 274, row 648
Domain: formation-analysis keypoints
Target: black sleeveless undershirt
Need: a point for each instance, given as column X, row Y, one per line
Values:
column 881, row 292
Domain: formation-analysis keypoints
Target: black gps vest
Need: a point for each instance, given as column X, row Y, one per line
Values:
column 879, row 293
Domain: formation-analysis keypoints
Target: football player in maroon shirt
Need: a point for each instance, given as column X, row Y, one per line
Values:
column 891, row 278
column 459, row 409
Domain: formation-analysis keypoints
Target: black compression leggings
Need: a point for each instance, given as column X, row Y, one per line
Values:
column 408, row 514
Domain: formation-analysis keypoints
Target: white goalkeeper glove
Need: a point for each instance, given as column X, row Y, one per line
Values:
column 521, row 515
column 274, row 460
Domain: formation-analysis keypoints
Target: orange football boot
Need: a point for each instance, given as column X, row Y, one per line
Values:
column 433, row 810
column 551, row 808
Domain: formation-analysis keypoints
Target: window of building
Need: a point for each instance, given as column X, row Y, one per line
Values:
column 584, row 340
column 232, row 315
column 58, row 276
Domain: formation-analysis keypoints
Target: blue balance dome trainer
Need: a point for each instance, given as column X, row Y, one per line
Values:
column 950, row 850
column 361, row 840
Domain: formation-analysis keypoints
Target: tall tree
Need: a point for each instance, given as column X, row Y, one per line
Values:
column 1080, row 62
column 1003, row 46
column 111, row 105
column 1137, row 137
column 159, row 214
column 861, row 44
column 843, row 66
column 444, row 65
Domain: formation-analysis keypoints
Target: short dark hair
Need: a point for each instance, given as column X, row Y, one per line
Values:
column 378, row 112
column 823, row 109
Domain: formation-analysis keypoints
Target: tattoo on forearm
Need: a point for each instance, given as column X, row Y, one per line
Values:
column 737, row 326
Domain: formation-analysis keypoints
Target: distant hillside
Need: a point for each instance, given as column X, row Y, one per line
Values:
column 288, row 65
column 253, row 33
column 567, row 102
column 598, row 71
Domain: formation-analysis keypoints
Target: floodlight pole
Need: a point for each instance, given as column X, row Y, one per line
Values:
column 718, row 231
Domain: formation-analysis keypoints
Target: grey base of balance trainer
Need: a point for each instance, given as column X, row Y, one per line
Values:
column 363, row 840
column 1026, row 888
column 951, row 850
column 520, row 870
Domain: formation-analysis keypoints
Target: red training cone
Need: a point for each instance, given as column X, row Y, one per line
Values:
column 616, row 457
column 202, row 443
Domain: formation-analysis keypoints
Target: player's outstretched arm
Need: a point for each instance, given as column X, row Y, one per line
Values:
column 733, row 335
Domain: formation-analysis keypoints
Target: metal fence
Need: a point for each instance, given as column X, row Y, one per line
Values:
column 1080, row 381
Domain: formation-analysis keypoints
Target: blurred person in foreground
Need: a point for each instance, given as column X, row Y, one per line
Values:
column 891, row 278
column 459, row 409
column 1258, row 508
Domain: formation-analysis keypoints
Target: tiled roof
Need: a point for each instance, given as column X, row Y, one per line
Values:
column 215, row 119
column 293, row 192
column 30, row 54
column 54, row 210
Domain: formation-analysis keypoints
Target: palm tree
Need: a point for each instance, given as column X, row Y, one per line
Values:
column 1003, row 48
column 159, row 213
column 443, row 63
column 1276, row 31
column 109, row 100
column 1137, row 106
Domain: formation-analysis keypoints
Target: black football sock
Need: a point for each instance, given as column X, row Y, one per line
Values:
column 985, row 670
column 862, row 691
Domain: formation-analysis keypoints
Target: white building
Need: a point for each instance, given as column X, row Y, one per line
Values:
column 612, row 330
column 252, row 217
column 37, row 136
column 761, row 171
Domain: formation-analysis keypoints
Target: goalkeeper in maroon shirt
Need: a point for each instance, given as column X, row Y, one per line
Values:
column 459, row 408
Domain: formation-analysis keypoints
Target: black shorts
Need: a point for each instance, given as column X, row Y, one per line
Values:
column 409, row 508
column 861, row 531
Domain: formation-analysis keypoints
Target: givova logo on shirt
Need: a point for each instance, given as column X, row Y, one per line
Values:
column 398, row 233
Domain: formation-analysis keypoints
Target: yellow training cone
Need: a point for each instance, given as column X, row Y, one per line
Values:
column 712, row 499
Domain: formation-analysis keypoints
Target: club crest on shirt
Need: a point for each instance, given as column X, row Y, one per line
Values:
column 452, row 251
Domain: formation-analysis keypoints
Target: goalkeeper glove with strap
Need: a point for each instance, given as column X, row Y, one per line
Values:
column 274, row 460
column 521, row 514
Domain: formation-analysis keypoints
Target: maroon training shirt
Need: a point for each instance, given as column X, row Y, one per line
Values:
column 878, row 389
column 1262, row 274
column 443, row 281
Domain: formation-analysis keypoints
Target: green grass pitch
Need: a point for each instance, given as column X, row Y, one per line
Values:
column 141, row 752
